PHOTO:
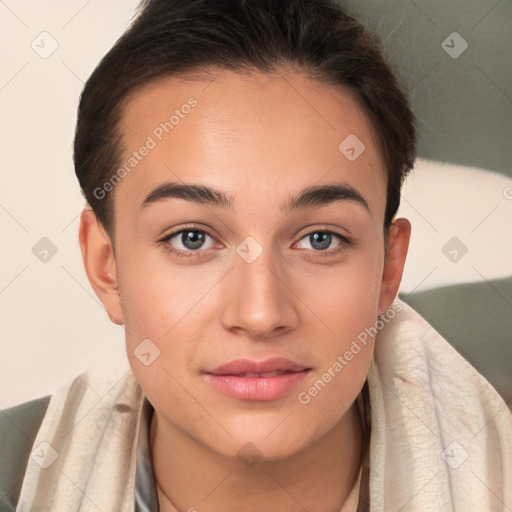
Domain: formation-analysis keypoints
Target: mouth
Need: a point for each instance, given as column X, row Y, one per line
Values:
column 268, row 374
column 273, row 365
column 261, row 381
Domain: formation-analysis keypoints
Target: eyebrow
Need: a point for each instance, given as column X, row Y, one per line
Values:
column 317, row 195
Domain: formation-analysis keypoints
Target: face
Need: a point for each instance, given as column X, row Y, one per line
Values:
column 247, row 271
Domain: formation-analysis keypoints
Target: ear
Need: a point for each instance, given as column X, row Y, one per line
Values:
column 394, row 261
column 99, row 263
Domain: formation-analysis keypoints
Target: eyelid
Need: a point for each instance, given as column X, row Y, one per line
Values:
column 187, row 227
column 345, row 242
column 325, row 229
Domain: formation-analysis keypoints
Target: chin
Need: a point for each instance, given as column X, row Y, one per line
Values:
column 250, row 450
column 266, row 440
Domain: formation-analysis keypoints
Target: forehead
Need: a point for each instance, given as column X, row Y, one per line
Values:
column 252, row 134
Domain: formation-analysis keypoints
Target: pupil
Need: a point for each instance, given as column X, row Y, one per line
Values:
column 192, row 239
column 322, row 239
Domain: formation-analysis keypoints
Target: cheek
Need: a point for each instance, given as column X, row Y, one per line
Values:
column 161, row 347
column 345, row 298
column 158, row 294
column 159, row 343
column 346, row 304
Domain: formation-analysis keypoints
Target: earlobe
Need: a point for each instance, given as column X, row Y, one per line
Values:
column 99, row 262
column 396, row 253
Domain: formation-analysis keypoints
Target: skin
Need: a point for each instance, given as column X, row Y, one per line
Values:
column 261, row 139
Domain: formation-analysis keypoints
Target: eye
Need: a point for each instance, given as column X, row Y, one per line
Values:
column 188, row 242
column 320, row 240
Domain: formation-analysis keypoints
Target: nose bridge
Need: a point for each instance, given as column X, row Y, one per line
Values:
column 261, row 302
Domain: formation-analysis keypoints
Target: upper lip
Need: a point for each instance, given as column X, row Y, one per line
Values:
column 240, row 366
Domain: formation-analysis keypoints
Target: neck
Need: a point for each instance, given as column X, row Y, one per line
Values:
column 190, row 476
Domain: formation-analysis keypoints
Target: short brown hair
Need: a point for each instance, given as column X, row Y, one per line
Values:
column 173, row 37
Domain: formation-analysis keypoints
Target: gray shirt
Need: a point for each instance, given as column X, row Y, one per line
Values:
column 146, row 499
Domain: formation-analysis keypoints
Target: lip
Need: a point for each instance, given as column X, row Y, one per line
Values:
column 273, row 364
column 231, row 378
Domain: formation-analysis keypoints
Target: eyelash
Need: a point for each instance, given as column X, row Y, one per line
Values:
column 345, row 242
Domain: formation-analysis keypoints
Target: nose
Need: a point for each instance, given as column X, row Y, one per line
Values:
column 260, row 303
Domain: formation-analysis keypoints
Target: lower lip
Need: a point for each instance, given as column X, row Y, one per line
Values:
column 256, row 388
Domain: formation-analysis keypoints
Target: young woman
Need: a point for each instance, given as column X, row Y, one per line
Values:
column 242, row 163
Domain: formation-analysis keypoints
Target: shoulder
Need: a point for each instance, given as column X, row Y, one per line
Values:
column 18, row 429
